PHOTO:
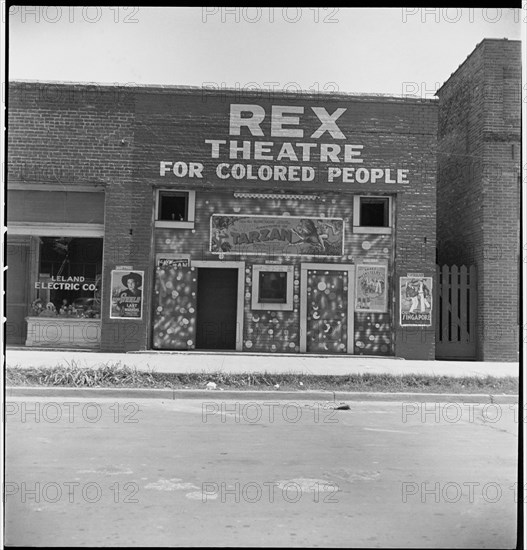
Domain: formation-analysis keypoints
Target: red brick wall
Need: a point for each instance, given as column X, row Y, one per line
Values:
column 396, row 133
column 116, row 138
column 478, row 187
column 83, row 135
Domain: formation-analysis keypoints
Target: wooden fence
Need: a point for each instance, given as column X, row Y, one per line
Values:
column 456, row 300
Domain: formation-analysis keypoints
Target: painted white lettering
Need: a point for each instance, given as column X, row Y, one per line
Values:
column 252, row 123
column 215, row 147
column 347, row 175
column 362, row 175
column 164, row 167
column 261, row 150
column 328, row 122
column 308, row 174
column 219, row 172
column 388, row 178
column 245, row 149
column 288, row 152
column 238, row 171
column 329, row 151
column 333, row 173
column 402, row 176
column 350, row 153
column 180, row 169
column 376, row 174
column 195, row 170
column 293, row 173
column 306, row 150
column 265, row 173
column 279, row 173
column 278, row 120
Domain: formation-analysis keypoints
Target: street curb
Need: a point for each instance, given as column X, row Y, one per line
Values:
column 250, row 395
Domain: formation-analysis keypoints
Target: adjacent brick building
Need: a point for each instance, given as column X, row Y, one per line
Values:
column 162, row 217
column 478, row 187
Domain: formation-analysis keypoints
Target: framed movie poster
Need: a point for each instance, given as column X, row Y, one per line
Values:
column 127, row 294
column 371, row 288
column 276, row 235
column 415, row 301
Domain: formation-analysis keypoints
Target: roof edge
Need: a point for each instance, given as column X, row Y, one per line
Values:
column 476, row 47
column 160, row 88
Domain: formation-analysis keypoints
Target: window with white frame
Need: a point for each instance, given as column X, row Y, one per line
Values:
column 175, row 208
column 372, row 214
column 272, row 287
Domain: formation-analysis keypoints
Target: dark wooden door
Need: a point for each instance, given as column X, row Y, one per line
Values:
column 216, row 308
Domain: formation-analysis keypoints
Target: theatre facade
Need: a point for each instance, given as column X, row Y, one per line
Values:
column 179, row 218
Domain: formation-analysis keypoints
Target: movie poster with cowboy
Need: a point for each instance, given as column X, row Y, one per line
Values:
column 371, row 288
column 276, row 235
column 416, row 301
column 127, row 294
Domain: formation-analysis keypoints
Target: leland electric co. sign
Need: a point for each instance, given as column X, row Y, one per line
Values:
column 274, row 145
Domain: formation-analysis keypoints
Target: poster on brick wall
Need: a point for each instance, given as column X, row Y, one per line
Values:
column 415, row 301
column 127, row 294
column 173, row 261
column 276, row 235
column 371, row 288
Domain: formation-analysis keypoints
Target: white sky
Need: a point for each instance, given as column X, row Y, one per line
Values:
column 392, row 51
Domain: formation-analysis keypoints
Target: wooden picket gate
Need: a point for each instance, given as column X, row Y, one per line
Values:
column 456, row 326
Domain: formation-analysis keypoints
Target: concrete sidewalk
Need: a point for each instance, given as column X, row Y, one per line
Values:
column 185, row 362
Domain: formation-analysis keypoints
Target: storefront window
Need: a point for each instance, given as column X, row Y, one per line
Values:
column 69, row 278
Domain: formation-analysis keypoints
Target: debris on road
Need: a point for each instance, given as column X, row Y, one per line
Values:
column 331, row 405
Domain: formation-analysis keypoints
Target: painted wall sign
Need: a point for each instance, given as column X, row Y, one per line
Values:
column 371, row 288
column 415, row 301
column 127, row 294
column 283, row 143
column 276, row 235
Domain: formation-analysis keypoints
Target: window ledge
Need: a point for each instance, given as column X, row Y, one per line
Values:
column 175, row 225
column 259, row 306
column 377, row 230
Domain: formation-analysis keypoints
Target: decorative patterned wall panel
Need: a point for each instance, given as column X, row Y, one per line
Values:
column 175, row 308
column 269, row 331
column 327, row 311
column 373, row 334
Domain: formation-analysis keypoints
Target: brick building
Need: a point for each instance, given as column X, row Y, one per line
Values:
column 478, row 188
column 159, row 217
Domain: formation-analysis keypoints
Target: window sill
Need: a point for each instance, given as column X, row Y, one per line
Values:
column 272, row 307
column 375, row 230
column 174, row 225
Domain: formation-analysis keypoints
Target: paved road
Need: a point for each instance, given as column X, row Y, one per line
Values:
column 110, row 472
